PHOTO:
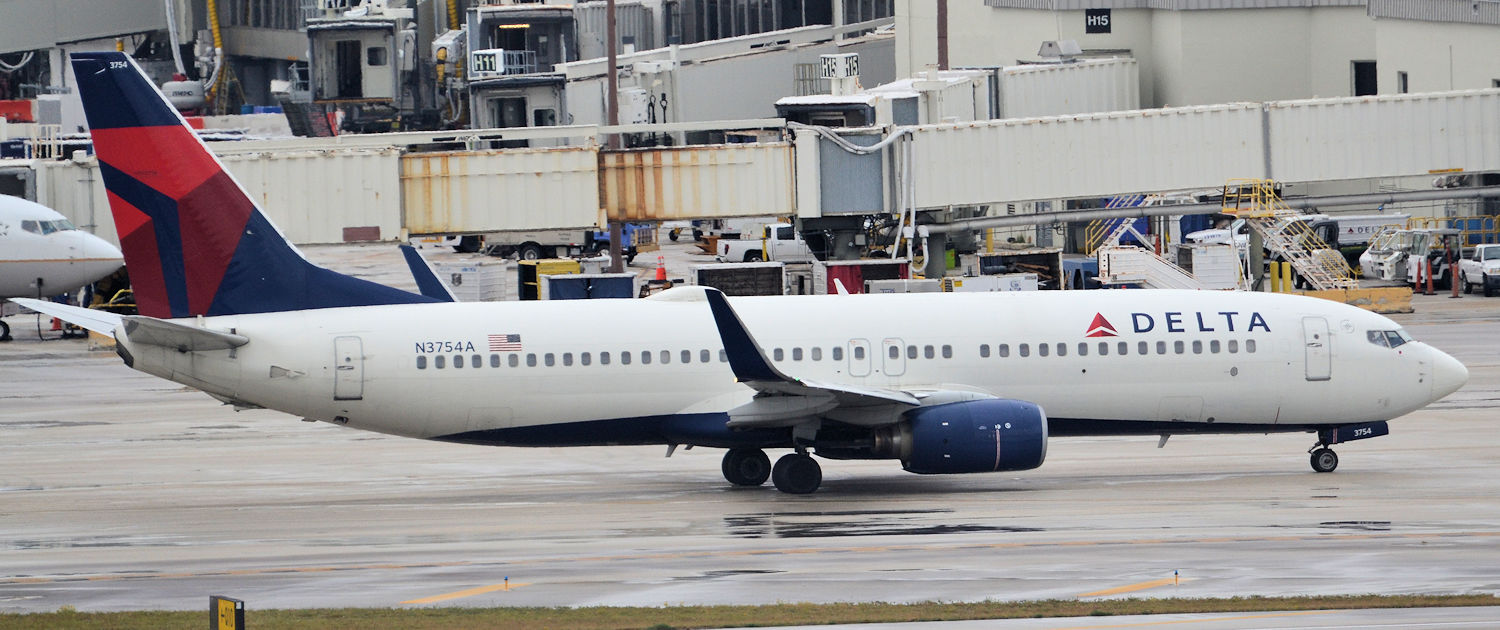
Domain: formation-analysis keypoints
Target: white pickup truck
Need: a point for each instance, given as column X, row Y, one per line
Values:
column 1481, row 269
column 780, row 243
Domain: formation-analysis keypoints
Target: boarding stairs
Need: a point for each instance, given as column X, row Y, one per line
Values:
column 1285, row 234
column 1128, row 264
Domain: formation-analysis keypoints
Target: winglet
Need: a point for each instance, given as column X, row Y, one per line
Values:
column 427, row 279
column 745, row 356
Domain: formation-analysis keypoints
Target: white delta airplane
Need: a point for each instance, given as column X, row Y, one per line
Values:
column 42, row 254
column 945, row 383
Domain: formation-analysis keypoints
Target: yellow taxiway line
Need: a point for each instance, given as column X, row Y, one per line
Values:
column 1131, row 588
column 466, row 593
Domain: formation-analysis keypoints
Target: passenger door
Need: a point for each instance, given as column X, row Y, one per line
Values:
column 891, row 352
column 1318, row 350
column 349, row 368
column 859, row 357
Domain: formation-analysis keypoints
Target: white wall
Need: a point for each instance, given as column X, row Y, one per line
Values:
column 1215, row 56
column 1436, row 56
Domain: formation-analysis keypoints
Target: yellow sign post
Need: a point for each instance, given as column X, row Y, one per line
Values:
column 225, row 613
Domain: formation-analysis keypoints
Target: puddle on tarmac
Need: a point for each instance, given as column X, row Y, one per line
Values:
column 711, row 575
column 1366, row 526
column 837, row 524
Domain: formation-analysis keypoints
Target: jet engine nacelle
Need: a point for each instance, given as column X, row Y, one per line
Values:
column 969, row 437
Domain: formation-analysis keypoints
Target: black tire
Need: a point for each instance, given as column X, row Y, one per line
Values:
column 4, row 331
column 1324, row 460
column 1463, row 279
column 468, row 244
column 746, row 466
column 753, row 256
column 674, row 233
column 1485, row 283
column 529, row 251
column 797, row 473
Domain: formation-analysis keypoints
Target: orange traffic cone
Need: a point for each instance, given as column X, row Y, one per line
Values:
column 661, row 269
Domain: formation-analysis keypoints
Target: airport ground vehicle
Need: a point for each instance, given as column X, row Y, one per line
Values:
column 639, row 238
column 779, row 242
column 1481, row 268
column 1407, row 256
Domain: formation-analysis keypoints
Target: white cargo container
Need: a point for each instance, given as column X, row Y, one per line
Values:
column 477, row 281
column 904, row 286
column 997, row 282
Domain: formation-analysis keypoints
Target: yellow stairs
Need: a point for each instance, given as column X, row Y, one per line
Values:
column 1256, row 201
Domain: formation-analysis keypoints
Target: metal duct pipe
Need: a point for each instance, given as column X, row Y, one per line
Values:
column 1483, row 192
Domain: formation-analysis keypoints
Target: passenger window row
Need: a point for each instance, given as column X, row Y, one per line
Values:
column 566, row 359
column 1104, row 348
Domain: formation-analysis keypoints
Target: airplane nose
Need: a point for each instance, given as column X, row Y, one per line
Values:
column 1447, row 375
column 95, row 247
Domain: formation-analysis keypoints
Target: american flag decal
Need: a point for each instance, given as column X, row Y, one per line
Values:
column 505, row 343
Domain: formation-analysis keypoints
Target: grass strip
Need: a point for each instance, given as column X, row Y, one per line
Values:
column 673, row 617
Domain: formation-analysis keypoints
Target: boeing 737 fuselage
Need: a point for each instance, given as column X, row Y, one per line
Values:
column 945, row 383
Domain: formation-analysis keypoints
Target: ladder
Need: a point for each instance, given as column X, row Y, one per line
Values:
column 1125, row 264
column 1286, row 234
column 1106, row 232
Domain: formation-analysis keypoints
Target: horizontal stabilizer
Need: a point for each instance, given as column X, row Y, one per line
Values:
column 102, row 322
column 180, row 337
column 427, row 279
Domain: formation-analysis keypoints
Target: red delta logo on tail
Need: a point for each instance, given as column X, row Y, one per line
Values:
column 195, row 243
column 1101, row 327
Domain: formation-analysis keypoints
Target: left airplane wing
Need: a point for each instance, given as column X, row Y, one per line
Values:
column 782, row 400
column 102, row 322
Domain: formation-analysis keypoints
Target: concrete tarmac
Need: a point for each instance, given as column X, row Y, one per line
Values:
column 120, row 491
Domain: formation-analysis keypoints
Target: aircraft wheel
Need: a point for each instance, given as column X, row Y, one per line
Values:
column 746, row 466
column 1324, row 460
column 4, row 331
column 797, row 473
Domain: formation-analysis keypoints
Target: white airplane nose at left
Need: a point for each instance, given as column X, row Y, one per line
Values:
column 38, row 244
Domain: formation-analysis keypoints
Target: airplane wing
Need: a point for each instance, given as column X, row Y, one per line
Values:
column 427, row 279
column 102, row 322
column 782, row 400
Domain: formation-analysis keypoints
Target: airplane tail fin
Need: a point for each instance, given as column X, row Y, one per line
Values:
column 195, row 243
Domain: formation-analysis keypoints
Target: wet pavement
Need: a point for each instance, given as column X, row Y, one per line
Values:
column 122, row 491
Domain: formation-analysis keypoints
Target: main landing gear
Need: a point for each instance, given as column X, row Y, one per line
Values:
column 746, row 466
column 794, row 473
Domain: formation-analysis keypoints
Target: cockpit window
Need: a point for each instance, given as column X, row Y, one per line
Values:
column 47, row 227
column 1388, row 338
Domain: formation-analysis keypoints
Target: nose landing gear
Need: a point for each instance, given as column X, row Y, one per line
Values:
column 1323, row 459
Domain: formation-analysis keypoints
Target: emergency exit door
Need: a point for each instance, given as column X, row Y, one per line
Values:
column 349, row 368
column 1318, row 350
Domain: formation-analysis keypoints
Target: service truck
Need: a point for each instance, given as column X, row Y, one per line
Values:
column 779, row 242
column 1481, row 268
